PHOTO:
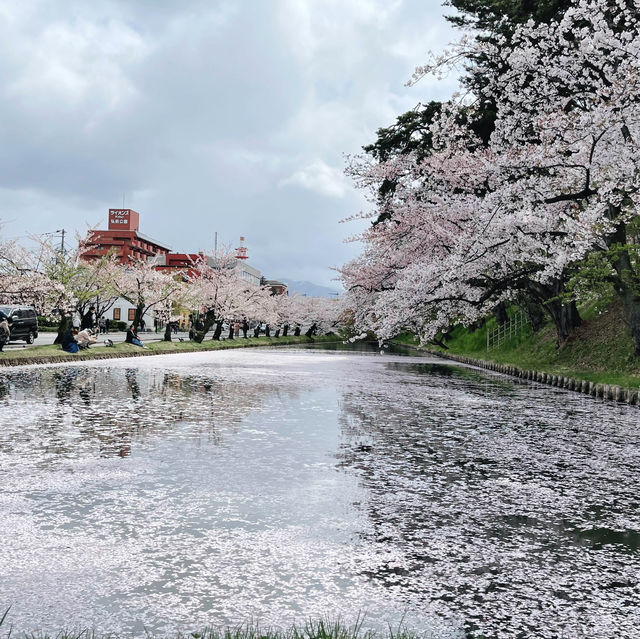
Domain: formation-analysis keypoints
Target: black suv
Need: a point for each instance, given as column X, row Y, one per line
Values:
column 25, row 322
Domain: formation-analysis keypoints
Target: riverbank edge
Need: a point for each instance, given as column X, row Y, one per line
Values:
column 88, row 355
column 609, row 392
column 323, row 628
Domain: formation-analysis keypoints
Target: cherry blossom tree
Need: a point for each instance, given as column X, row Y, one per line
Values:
column 86, row 282
column 566, row 137
column 147, row 288
column 325, row 313
column 473, row 224
column 24, row 280
column 93, row 284
column 217, row 290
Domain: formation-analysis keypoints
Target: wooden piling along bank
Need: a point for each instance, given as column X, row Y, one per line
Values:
column 601, row 391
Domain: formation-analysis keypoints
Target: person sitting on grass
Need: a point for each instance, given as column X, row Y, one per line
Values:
column 85, row 338
column 132, row 336
column 69, row 342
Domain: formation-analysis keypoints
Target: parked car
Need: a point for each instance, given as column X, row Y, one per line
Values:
column 25, row 322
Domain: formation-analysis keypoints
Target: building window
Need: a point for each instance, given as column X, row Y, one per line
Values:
column 116, row 314
column 132, row 314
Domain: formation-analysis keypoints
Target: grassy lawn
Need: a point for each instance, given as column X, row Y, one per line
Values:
column 600, row 351
column 53, row 353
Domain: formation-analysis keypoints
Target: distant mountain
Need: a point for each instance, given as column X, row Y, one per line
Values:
column 309, row 288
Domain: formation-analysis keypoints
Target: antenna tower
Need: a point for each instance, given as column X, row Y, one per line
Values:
column 241, row 251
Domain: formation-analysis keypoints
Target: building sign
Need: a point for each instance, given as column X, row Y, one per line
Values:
column 119, row 218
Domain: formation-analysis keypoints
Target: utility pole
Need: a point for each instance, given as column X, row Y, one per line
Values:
column 62, row 233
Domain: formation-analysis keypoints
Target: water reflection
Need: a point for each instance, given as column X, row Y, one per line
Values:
column 93, row 405
column 179, row 492
column 500, row 509
column 64, row 383
column 132, row 382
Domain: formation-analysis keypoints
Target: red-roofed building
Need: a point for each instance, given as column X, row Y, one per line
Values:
column 182, row 261
column 123, row 236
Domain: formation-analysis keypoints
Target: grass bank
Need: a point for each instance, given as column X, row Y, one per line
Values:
column 322, row 629
column 600, row 351
column 53, row 353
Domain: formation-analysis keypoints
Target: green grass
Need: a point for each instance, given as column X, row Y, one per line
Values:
column 600, row 351
column 53, row 353
column 321, row 629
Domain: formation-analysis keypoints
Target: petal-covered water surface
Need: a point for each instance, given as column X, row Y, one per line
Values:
column 170, row 493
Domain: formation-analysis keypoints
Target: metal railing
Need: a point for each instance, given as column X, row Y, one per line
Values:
column 508, row 330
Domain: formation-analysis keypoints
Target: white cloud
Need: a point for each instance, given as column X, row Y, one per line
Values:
column 75, row 62
column 209, row 114
column 320, row 178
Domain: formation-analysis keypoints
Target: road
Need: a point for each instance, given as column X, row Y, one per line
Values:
column 148, row 336
column 48, row 338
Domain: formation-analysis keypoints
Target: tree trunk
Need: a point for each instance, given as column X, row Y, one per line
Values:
column 500, row 313
column 565, row 315
column 137, row 318
column 218, row 332
column 535, row 313
column 631, row 305
column 167, row 332
column 625, row 284
column 209, row 321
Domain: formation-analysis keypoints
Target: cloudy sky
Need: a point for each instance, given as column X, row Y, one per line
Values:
column 208, row 115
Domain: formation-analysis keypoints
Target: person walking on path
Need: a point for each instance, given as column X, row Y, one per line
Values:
column 245, row 327
column 102, row 323
column 256, row 331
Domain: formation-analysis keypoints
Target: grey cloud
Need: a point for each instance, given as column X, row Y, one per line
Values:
column 227, row 116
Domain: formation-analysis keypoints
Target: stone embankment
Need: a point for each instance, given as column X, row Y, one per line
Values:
column 125, row 350
column 59, row 358
column 602, row 391
column 609, row 392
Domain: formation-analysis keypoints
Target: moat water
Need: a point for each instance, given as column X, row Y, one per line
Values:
column 170, row 493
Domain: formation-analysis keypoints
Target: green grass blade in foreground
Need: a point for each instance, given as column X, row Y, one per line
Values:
column 312, row 629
